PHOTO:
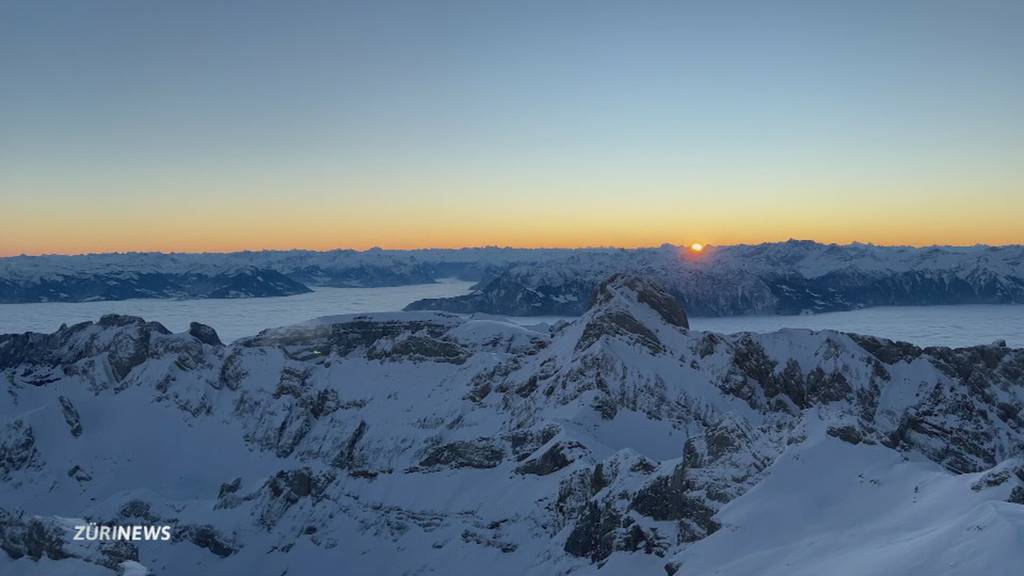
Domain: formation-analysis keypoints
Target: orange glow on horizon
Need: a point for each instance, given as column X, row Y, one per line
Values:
column 91, row 230
column 295, row 242
column 471, row 210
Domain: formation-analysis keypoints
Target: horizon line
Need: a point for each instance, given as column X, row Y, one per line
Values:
column 492, row 247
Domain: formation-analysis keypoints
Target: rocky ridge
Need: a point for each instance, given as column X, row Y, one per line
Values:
column 423, row 441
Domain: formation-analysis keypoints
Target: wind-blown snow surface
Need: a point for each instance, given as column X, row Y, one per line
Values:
column 425, row 443
column 866, row 511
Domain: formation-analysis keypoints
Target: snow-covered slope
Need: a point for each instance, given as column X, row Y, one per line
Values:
column 426, row 443
column 868, row 511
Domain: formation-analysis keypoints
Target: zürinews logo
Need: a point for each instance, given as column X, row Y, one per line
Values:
column 93, row 532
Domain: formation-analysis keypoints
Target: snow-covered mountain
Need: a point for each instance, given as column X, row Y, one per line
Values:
column 115, row 283
column 427, row 443
column 210, row 275
column 784, row 278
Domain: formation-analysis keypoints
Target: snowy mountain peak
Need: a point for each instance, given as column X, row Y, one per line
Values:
column 626, row 291
column 632, row 309
column 408, row 443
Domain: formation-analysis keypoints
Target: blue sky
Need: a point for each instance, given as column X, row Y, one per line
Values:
column 227, row 125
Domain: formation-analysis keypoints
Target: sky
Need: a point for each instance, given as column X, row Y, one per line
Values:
column 207, row 125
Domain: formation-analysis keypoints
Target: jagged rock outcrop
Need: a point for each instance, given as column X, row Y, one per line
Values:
column 204, row 334
column 482, row 453
column 71, row 416
column 556, row 457
column 206, row 536
column 17, row 448
column 287, row 489
column 122, row 341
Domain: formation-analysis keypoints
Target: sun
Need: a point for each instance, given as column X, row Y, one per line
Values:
column 696, row 246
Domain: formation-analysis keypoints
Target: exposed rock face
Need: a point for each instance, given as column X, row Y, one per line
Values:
column 846, row 433
column 887, row 351
column 17, row 448
column 204, row 334
column 481, row 453
column 71, row 416
column 30, row 537
column 555, row 458
column 427, row 442
column 634, row 288
column 399, row 339
column 232, row 371
column 1017, row 495
column 614, row 323
column 667, row 500
column 206, row 536
column 287, row 489
column 594, row 535
column 79, row 473
column 613, row 309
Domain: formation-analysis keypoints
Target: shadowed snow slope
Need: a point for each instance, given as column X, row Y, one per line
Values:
column 427, row 443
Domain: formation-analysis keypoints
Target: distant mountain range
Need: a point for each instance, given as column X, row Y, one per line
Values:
column 777, row 278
